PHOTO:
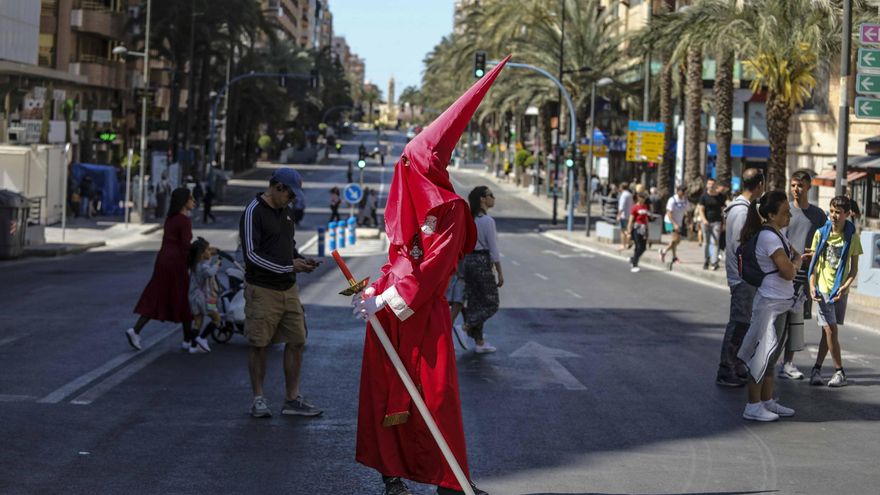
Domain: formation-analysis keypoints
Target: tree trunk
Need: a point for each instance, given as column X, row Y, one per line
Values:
column 778, row 121
column 723, row 93
column 693, row 108
column 666, row 169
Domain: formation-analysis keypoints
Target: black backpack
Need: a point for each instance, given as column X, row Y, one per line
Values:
column 749, row 270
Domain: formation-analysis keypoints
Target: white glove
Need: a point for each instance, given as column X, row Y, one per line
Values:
column 366, row 305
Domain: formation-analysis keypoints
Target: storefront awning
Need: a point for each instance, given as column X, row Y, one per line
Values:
column 829, row 177
column 739, row 150
column 862, row 162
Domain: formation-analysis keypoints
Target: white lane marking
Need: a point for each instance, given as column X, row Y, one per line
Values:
column 308, row 244
column 548, row 357
column 574, row 294
column 120, row 376
column 62, row 392
column 9, row 340
column 15, row 398
column 566, row 256
column 542, row 277
column 514, row 262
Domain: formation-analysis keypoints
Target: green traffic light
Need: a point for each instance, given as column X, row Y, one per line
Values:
column 362, row 163
column 479, row 72
column 569, row 163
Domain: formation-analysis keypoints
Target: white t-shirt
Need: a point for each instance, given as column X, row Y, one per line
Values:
column 487, row 237
column 625, row 204
column 676, row 208
column 773, row 286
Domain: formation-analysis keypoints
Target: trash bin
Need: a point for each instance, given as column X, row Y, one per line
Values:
column 13, row 224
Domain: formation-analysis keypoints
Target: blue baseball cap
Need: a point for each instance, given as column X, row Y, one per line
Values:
column 291, row 179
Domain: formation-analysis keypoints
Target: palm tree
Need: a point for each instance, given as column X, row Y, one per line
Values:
column 783, row 41
column 371, row 95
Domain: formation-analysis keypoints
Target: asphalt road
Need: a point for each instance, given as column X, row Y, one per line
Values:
column 602, row 383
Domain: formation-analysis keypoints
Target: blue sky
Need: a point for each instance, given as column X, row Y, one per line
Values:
column 392, row 35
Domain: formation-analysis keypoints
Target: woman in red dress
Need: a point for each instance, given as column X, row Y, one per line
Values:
column 165, row 297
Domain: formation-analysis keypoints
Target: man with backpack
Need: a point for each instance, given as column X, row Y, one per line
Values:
column 731, row 371
column 805, row 220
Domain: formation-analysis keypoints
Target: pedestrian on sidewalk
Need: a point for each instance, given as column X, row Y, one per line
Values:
column 732, row 371
column 805, row 220
column 676, row 208
column 203, row 264
column 624, row 206
column 273, row 311
column 764, row 247
column 208, row 203
column 639, row 217
column 710, row 207
column 481, row 285
column 163, row 189
column 87, row 195
column 836, row 247
column 373, row 206
column 429, row 229
column 335, row 201
column 165, row 297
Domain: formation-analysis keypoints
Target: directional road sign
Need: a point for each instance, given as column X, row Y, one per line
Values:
column 868, row 84
column 644, row 141
column 353, row 193
column 869, row 33
column 869, row 59
column 867, row 108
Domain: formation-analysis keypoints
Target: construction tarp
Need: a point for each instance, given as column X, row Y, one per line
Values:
column 107, row 185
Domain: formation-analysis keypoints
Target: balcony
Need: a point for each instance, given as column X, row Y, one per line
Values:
column 102, row 73
column 102, row 22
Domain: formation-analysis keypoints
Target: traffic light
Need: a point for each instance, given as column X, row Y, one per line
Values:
column 569, row 162
column 362, row 157
column 479, row 64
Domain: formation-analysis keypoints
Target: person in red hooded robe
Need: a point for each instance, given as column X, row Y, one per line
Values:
column 429, row 230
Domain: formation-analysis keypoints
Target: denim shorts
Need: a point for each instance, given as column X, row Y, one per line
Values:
column 831, row 313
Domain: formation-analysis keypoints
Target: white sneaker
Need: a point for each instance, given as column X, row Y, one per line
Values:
column 756, row 412
column 203, row 344
column 635, row 269
column 662, row 255
column 838, row 379
column 184, row 346
column 485, row 348
column 460, row 336
column 790, row 371
column 196, row 350
column 777, row 408
column 134, row 339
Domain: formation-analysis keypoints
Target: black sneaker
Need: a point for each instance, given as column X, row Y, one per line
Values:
column 706, row 265
column 450, row 491
column 395, row 486
column 715, row 266
column 299, row 407
column 729, row 381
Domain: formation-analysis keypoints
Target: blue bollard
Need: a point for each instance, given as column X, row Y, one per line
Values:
column 352, row 232
column 321, row 244
column 331, row 230
column 340, row 234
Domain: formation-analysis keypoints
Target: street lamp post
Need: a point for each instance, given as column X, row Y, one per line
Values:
column 843, row 115
column 572, row 127
column 122, row 50
column 605, row 81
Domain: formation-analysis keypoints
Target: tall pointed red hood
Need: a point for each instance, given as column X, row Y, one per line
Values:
column 421, row 181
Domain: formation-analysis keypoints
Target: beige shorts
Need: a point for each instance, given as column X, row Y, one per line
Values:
column 273, row 316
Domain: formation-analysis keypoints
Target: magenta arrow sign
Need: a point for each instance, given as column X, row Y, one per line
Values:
column 869, row 33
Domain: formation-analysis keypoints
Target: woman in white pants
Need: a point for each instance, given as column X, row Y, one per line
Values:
column 777, row 263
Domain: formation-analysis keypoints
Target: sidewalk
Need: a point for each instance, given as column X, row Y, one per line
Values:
column 84, row 234
column 862, row 310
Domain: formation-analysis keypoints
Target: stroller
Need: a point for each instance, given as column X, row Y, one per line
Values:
column 230, row 303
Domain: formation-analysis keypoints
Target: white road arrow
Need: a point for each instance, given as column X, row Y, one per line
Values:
column 865, row 107
column 867, row 84
column 867, row 58
column 548, row 357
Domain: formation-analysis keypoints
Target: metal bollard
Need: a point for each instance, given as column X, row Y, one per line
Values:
column 340, row 234
column 352, row 230
column 321, row 245
column 331, row 231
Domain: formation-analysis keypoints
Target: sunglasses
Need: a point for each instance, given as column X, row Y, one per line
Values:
column 490, row 195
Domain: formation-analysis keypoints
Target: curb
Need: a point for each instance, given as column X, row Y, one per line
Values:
column 55, row 250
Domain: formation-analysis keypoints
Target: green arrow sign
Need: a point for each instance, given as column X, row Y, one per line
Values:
column 867, row 108
column 868, row 84
column 869, row 59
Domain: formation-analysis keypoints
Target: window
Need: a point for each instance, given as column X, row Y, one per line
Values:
column 47, row 50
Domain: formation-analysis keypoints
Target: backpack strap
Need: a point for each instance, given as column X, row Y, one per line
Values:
column 849, row 229
column 784, row 244
column 824, row 232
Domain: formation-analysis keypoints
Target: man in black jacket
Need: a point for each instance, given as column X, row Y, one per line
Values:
column 273, row 311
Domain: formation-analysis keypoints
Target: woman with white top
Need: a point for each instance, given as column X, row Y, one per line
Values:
column 762, row 241
column 481, row 286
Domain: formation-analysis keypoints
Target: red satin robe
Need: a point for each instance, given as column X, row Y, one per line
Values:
column 392, row 437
